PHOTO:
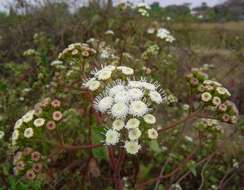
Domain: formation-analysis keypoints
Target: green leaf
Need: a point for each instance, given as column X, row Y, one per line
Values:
column 99, row 153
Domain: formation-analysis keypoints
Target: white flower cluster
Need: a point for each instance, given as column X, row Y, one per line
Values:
column 165, row 35
column 128, row 102
column 143, row 9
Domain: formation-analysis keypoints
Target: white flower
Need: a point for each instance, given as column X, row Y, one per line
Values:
column 188, row 138
column 135, row 84
column 39, row 122
column 18, row 124
column 134, row 134
column 28, row 133
column 126, row 70
column 138, row 108
column 155, row 97
column 135, row 93
column 119, row 110
column 132, row 123
column 15, row 135
column 148, row 86
column 109, row 32
column 165, row 35
column 104, row 104
column 150, row 30
column 112, row 137
column 116, row 89
column 104, row 75
column 93, row 85
column 206, row 97
column 122, row 96
column 149, row 119
column 1, row 134
column 132, row 147
column 211, row 82
column 118, row 124
column 223, row 91
column 152, row 133
column 28, row 116
column 216, row 101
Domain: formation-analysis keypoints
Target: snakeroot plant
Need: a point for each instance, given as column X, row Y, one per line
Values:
column 128, row 103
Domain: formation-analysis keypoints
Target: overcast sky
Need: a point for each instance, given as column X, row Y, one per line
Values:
column 194, row 3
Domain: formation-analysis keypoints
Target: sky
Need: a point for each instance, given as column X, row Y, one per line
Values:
column 162, row 2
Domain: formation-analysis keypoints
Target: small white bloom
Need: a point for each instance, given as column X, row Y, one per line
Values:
column 94, row 85
column 104, row 75
column 28, row 133
column 134, row 134
column 28, row 116
column 126, row 70
column 150, row 30
column 118, row 124
column 122, row 96
column 119, row 110
column 206, row 97
column 39, row 122
column 138, row 108
column 132, row 147
column 116, row 89
column 1, row 134
column 155, row 97
column 149, row 119
column 15, row 135
column 18, row 124
column 135, row 84
column 223, row 91
column 188, row 138
column 132, row 123
column 135, row 93
column 216, row 101
column 149, row 86
column 112, row 137
column 152, row 133
column 104, row 104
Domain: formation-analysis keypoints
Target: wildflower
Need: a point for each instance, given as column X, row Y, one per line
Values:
column 151, row 30
column 30, row 175
column 222, row 107
column 56, row 103
column 188, row 138
column 126, row 70
column 194, row 81
column 109, row 32
column 35, row 156
column 57, row 116
column 135, row 93
column 149, row 119
column 223, row 91
column 134, row 134
column 28, row 133
column 51, row 125
column 103, row 104
column 15, row 135
column 1, row 134
column 18, row 124
column 104, row 75
column 20, row 165
column 119, row 110
column 226, row 117
column 138, row 108
column 85, row 54
column 39, row 122
column 112, row 137
column 216, row 101
column 37, row 167
column 155, row 97
column 132, row 123
column 122, row 96
column 118, row 124
column 27, row 151
column 28, row 116
column 132, row 147
column 206, row 97
column 116, row 89
column 152, row 133
column 233, row 119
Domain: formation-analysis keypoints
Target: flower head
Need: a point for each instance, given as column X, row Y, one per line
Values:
column 152, row 133
column 132, row 147
column 206, row 97
column 155, row 97
column 132, row 123
column 28, row 133
column 134, row 134
column 103, row 104
column 119, row 110
column 149, row 119
column 112, row 137
column 118, row 124
column 39, row 122
column 138, row 108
